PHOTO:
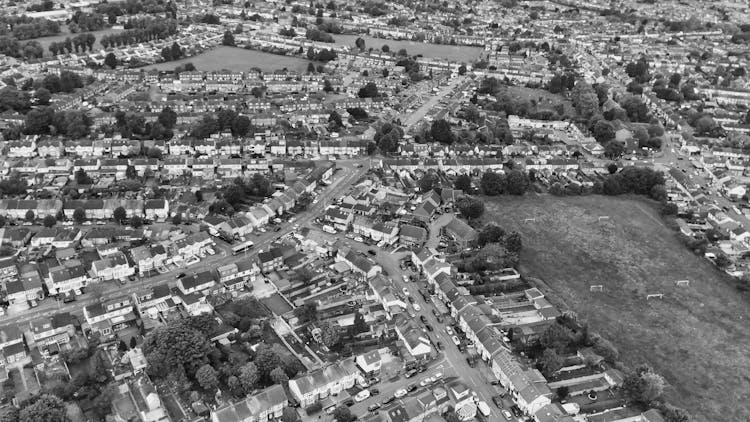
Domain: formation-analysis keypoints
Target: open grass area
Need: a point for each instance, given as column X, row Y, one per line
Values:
column 697, row 337
column 46, row 41
column 237, row 59
column 544, row 99
column 459, row 53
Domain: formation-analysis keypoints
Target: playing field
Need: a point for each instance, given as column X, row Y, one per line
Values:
column 237, row 59
column 698, row 337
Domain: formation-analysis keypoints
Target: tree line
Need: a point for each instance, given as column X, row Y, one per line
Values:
column 141, row 30
column 81, row 41
column 24, row 27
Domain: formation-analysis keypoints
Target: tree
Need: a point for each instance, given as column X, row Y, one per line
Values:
column 614, row 149
column 266, row 360
column 176, row 346
column 463, row 183
column 562, row 392
column 167, row 117
column 603, row 131
column 249, row 377
column 441, row 131
column 370, row 90
column 110, row 60
column 49, row 221
column 79, row 215
column 42, row 95
column 136, row 222
column 643, row 386
column 492, row 183
column 360, row 43
column 121, row 346
column 289, row 414
column 278, row 376
column 120, row 215
column 612, row 168
column 471, row 208
column 557, row 337
column 360, row 325
column 585, row 100
column 513, row 242
column 44, row 408
column 307, row 312
column 550, row 362
column 462, row 69
column 228, row 38
column 133, row 342
column 329, row 333
column 385, row 48
column 343, row 414
column 207, row 377
column 491, row 233
column 428, row 182
column 30, row 216
column 517, row 182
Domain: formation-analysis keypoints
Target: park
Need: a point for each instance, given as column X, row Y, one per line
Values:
column 695, row 334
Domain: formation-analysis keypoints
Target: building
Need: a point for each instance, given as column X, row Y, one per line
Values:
column 261, row 407
column 331, row 380
column 108, row 317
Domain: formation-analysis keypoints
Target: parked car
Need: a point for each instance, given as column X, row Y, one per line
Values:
column 374, row 380
column 506, row 414
column 440, row 346
column 373, row 407
column 349, row 403
column 180, row 275
column 498, row 401
column 456, row 341
column 429, row 327
column 362, row 395
column 417, row 307
column 449, row 331
column 400, row 393
column 374, row 392
column 389, row 399
column 411, row 373
column 437, row 376
column 405, row 291
column 423, row 319
column 411, row 387
column 425, row 382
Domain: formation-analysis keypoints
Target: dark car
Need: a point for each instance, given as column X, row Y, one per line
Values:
column 410, row 373
column 373, row 407
column 429, row 327
column 421, row 369
column 471, row 362
column 435, row 312
column 349, row 402
column 374, row 391
column 180, row 275
column 516, row 411
column 411, row 299
column 372, row 252
column 374, row 380
column 389, row 399
column 277, row 229
column 440, row 346
column 498, row 401
column 423, row 319
column 411, row 387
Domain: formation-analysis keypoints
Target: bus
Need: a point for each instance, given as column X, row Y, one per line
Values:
column 242, row 247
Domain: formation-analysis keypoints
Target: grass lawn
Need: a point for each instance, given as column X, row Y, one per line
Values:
column 46, row 41
column 545, row 100
column 237, row 59
column 459, row 53
column 696, row 337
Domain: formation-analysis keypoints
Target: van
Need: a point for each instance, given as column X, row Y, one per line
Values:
column 484, row 409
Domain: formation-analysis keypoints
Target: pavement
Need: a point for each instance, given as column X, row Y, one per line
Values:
column 341, row 181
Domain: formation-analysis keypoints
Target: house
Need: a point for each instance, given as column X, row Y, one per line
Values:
column 138, row 400
column 112, row 267
column 12, row 346
column 266, row 405
column 199, row 282
column 414, row 339
column 463, row 234
column 157, row 209
column 412, row 236
column 385, row 293
column 369, row 362
column 66, row 279
column 527, row 387
column 319, row 384
column 108, row 317
column 359, row 263
column 150, row 301
column 271, row 260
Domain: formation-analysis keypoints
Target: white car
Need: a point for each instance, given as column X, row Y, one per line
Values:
column 359, row 239
column 405, row 291
column 416, row 307
column 425, row 382
column 362, row 396
column 437, row 376
column 406, row 278
column 456, row 341
column 449, row 330
column 400, row 393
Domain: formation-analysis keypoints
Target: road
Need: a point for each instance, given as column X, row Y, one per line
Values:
column 342, row 180
column 451, row 361
column 419, row 114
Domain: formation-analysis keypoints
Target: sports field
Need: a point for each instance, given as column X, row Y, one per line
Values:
column 237, row 59
column 697, row 337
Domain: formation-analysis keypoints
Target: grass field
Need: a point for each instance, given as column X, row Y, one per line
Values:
column 237, row 59
column 449, row 52
column 697, row 337
column 46, row 41
column 545, row 100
